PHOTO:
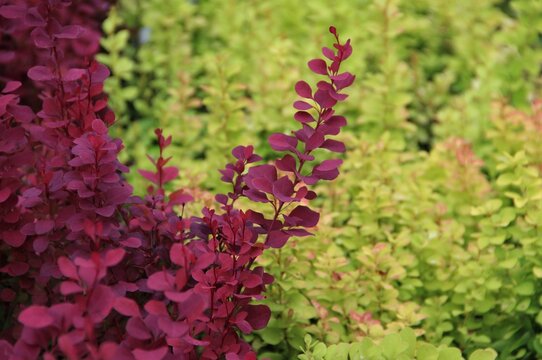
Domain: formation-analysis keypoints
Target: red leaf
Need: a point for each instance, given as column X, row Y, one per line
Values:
column 36, row 317
column 169, row 173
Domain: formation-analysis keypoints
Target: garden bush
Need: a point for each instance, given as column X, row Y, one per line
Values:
column 426, row 247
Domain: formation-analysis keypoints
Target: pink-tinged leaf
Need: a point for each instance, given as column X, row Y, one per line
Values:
column 69, row 288
column 180, row 197
column 13, row 238
column 126, row 306
column 172, row 328
column 43, row 226
column 181, row 255
column 328, row 165
column 277, row 239
column 157, row 354
column 40, row 244
column 73, row 74
column 302, row 216
column 67, row 268
column 131, row 242
column 36, row 317
column 160, row 281
column 302, row 105
column 318, row 66
column 330, row 54
column 149, row 175
column 12, row 11
column 114, row 257
column 169, row 173
column 334, row 146
column 99, row 126
column 303, row 89
column 155, row 307
column 303, row 117
column 100, row 303
column 40, row 73
column 70, row 32
column 41, row 38
column 11, row 86
column 137, row 329
column 281, row 142
column 257, row 315
column 100, row 74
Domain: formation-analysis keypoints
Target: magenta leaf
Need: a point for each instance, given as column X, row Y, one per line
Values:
column 40, row 73
column 126, row 307
column 157, row 354
column 303, row 117
column 69, row 32
column 303, row 89
column 281, row 142
column 160, row 281
column 302, row 105
column 36, row 317
column 318, row 66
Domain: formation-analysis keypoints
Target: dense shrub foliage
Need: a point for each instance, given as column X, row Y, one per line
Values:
column 426, row 247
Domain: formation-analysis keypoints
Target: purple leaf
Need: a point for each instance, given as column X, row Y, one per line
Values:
column 303, row 117
column 283, row 189
column 40, row 73
column 69, row 32
column 277, row 238
column 257, row 315
column 303, row 89
column 281, row 142
column 318, row 66
column 302, row 216
column 302, row 105
column 334, row 146
column 328, row 165
column 11, row 86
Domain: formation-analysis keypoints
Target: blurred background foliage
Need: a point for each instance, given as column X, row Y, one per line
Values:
column 434, row 222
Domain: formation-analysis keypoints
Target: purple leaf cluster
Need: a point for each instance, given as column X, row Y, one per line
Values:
column 90, row 271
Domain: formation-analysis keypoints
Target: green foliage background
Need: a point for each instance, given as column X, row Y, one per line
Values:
column 434, row 223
